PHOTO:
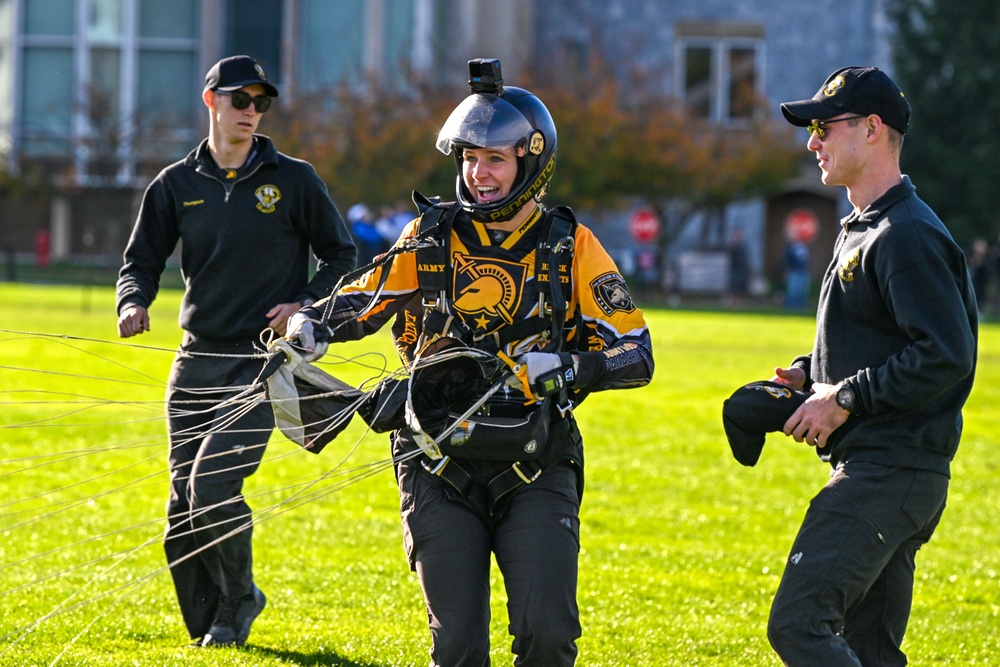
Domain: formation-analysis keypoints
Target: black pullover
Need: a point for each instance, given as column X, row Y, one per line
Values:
column 897, row 319
column 245, row 241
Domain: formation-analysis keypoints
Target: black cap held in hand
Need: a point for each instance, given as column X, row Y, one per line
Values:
column 858, row 90
column 235, row 72
column 755, row 410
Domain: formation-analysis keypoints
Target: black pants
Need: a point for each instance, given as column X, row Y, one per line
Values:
column 845, row 595
column 213, row 449
column 536, row 542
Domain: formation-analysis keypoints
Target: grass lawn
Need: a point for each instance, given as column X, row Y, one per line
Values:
column 682, row 548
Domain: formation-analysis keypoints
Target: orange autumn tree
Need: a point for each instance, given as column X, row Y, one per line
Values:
column 375, row 146
column 614, row 150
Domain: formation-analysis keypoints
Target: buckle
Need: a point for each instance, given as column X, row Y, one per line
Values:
column 566, row 409
column 565, row 244
column 433, row 302
column 524, row 478
column 438, row 467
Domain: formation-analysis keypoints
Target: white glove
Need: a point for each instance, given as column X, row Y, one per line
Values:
column 554, row 370
column 302, row 333
column 539, row 363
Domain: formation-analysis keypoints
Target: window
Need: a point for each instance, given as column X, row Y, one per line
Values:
column 720, row 67
column 253, row 28
column 99, row 78
column 345, row 41
column 330, row 44
column 47, row 75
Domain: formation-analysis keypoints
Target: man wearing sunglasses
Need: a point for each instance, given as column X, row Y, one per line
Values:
column 892, row 365
column 247, row 218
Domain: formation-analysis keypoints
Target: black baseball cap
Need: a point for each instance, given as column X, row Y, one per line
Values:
column 235, row 72
column 860, row 90
column 753, row 411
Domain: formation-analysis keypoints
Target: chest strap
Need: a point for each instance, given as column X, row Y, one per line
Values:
column 553, row 276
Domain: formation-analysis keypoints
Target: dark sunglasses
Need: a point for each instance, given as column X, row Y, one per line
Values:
column 241, row 100
column 819, row 127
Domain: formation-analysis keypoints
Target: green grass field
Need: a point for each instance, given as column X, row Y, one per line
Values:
column 682, row 548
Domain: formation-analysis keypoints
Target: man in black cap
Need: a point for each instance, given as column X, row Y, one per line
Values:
column 247, row 218
column 892, row 365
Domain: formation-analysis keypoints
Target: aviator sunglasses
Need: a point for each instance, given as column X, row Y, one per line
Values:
column 241, row 100
column 819, row 127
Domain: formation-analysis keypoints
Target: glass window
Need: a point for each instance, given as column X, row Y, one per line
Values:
column 105, row 20
column 169, row 87
column 742, row 82
column 253, row 28
column 176, row 19
column 331, row 42
column 398, row 39
column 720, row 75
column 48, row 17
column 698, row 80
column 104, row 91
column 49, row 100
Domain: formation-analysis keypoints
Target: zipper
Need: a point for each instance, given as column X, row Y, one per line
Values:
column 228, row 187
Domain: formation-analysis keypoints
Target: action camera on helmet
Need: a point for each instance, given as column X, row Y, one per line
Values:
column 484, row 76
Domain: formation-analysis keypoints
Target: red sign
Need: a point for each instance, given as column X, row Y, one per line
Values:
column 643, row 225
column 802, row 225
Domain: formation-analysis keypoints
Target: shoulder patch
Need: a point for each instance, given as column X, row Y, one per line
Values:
column 611, row 293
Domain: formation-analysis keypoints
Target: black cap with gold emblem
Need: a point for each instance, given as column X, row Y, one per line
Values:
column 753, row 411
column 860, row 90
column 235, row 72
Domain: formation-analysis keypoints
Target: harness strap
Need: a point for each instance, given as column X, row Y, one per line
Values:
column 486, row 501
column 553, row 270
column 553, row 273
column 510, row 480
column 436, row 220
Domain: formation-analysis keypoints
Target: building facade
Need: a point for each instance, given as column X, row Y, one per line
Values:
column 106, row 92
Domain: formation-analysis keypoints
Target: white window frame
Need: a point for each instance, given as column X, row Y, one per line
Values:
column 720, row 75
column 80, row 131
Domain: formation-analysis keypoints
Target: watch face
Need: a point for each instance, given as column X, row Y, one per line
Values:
column 845, row 398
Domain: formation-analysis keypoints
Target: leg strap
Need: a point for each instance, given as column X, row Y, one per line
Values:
column 498, row 490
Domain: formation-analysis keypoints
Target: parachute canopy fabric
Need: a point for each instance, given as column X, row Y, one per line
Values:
column 311, row 407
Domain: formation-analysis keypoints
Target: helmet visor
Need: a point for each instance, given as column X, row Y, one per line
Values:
column 484, row 121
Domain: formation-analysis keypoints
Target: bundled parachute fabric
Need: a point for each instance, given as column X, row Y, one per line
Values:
column 311, row 407
column 383, row 406
column 457, row 405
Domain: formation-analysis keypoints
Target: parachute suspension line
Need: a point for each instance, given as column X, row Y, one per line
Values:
column 248, row 397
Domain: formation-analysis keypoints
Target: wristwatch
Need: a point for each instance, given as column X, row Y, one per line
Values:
column 847, row 399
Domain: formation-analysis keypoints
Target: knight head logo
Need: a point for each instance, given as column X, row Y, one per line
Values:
column 779, row 392
column 487, row 291
column 611, row 293
column 847, row 266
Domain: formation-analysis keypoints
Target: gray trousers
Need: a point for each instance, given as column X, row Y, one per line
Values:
column 209, row 529
column 847, row 588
